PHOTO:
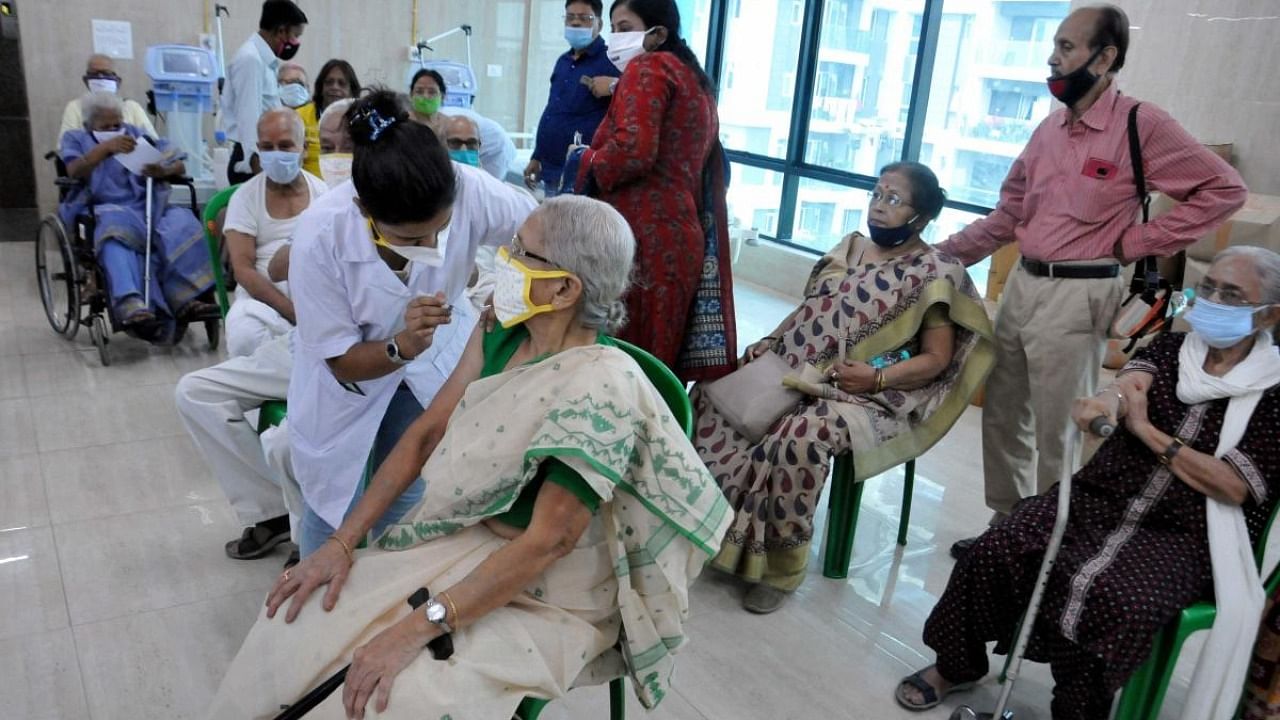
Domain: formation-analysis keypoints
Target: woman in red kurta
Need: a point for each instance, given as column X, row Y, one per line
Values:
column 656, row 158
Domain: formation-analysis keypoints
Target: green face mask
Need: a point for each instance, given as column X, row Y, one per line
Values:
column 426, row 105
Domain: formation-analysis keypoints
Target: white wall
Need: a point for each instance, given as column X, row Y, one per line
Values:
column 1213, row 65
column 371, row 34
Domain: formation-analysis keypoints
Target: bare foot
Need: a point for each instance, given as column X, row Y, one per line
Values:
column 930, row 675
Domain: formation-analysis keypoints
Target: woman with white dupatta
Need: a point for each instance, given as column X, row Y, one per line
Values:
column 1163, row 516
column 566, row 513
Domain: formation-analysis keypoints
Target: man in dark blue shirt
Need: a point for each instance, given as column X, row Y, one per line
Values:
column 581, row 87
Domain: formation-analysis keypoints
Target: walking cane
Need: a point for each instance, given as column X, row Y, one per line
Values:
column 441, row 648
column 1101, row 427
column 146, row 271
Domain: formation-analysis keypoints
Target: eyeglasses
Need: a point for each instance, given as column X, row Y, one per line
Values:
column 580, row 17
column 1226, row 296
column 518, row 250
column 892, row 199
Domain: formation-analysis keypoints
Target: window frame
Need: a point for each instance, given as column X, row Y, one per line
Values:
column 793, row 167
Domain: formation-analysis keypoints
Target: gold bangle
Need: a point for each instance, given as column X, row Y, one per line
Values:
column 453, row 608
column 879, row 380
column 345, row 547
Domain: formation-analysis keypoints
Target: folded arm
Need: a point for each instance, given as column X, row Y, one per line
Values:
column 242, row 249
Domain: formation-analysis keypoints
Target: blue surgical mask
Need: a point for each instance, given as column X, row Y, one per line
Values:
column 280, row 166
column 578, row 38
column 294, row 95
column 1221, row 326
column 894, row 236
column 466, row 157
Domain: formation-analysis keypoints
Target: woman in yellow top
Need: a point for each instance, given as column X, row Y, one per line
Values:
column 337, row 81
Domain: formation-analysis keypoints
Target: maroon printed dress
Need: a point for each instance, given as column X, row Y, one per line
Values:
column 647, row 159
column 1135, row 553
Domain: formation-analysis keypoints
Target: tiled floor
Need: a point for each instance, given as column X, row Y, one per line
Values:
column 116, row 601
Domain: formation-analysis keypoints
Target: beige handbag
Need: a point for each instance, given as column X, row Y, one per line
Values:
column 753, row 397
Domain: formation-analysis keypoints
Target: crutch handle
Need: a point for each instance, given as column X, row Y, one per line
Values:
column 1102, row 426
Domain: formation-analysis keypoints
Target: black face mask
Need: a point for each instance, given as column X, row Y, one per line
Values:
column 1069, row 88
column 289, row 49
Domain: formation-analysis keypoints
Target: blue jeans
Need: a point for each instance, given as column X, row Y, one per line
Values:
column 313, row 531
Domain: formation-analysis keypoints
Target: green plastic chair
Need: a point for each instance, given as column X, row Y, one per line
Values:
column 1142, row 696
column 672, row 391
column 842, row 514
column 271, row 414
column 217, row 204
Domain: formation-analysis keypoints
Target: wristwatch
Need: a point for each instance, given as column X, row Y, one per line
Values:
column 1167, row 456
column 393, row 353
column 436, row 613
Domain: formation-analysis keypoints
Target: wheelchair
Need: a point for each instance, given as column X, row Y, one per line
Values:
column 73, row 288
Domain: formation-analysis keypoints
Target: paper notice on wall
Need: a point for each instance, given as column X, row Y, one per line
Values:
column 113, row 38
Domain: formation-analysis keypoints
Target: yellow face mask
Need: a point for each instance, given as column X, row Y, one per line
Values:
column 512, row 303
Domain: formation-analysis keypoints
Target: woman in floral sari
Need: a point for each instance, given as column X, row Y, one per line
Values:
column 566, row 513
column 867, row 301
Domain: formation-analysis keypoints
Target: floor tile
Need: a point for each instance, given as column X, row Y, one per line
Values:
column 22, row 496
column 17, row 427
column 127, row 477
column 99, row 417
column 41, row 678
column 30, row 583
column 12, row 383
column 151, row 560
column 79, row 372
column 165, row 663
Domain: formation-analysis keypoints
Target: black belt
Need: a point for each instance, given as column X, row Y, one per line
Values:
column 1073, row 272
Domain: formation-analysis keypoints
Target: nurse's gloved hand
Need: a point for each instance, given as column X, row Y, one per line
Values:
column 421, row 318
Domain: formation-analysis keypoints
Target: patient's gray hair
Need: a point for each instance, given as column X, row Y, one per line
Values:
column 337, row 107
column 1265, row 262
column 94, row 104
column 593, row 241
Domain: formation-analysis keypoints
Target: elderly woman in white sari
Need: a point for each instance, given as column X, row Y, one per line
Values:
column 566, row 513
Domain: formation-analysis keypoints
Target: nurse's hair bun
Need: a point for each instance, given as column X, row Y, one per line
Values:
column 372, row 117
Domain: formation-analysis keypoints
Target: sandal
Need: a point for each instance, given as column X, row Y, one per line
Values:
column 928, row 692
column 764, row 599
column 198, row 310
column 258, row 540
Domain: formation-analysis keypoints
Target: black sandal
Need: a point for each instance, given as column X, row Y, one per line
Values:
column 927, row 691
column 259, row 539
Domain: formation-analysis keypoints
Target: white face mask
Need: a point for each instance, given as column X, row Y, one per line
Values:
column 513, row 286
column 281, row 166
column 105, row 85
column 625, row 47
column 104, row 135
column 335, row 168
column 294, row 94
column 429, row 256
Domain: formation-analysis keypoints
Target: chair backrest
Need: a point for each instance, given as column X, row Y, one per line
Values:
column 213, row 240
column 668, row 385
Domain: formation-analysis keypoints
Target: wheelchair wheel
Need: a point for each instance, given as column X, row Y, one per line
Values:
column 98, row 333
column 58, row 276
column 213, row 331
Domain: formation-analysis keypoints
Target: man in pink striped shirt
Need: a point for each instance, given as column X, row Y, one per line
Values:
column 1070, row 203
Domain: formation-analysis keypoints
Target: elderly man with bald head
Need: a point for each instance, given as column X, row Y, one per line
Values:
column 260, row 220
column 100, row 76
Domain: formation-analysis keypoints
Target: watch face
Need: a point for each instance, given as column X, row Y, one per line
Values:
column 435, row 611
column 392, row 351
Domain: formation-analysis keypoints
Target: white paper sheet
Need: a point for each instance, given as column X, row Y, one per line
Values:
column 143, row 154
column 113, row 38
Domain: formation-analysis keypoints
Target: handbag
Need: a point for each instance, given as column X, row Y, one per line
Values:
column 753, row 397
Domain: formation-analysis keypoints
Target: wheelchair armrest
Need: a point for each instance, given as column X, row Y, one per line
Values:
column 68, row 183
column 190, row 185
column 51, row 155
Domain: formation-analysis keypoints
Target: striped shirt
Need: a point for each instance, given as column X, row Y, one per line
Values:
column 1070, row 194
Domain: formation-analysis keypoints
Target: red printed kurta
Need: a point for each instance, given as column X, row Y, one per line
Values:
column 647, row 160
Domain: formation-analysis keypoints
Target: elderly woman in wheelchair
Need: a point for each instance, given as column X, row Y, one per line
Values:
column 180, row 276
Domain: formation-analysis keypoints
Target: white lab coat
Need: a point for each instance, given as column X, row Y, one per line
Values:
column 345, row 294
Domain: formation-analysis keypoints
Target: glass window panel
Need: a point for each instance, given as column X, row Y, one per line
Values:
column 988, row 92
column 862, row 88
column 825, row 213
column 754, row 198
column 695, row 21
column 758, row 77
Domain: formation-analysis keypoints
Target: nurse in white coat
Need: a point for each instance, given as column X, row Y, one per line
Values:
column 373, row 287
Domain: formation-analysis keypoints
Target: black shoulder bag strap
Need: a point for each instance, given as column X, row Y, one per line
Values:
column 1146, row 276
